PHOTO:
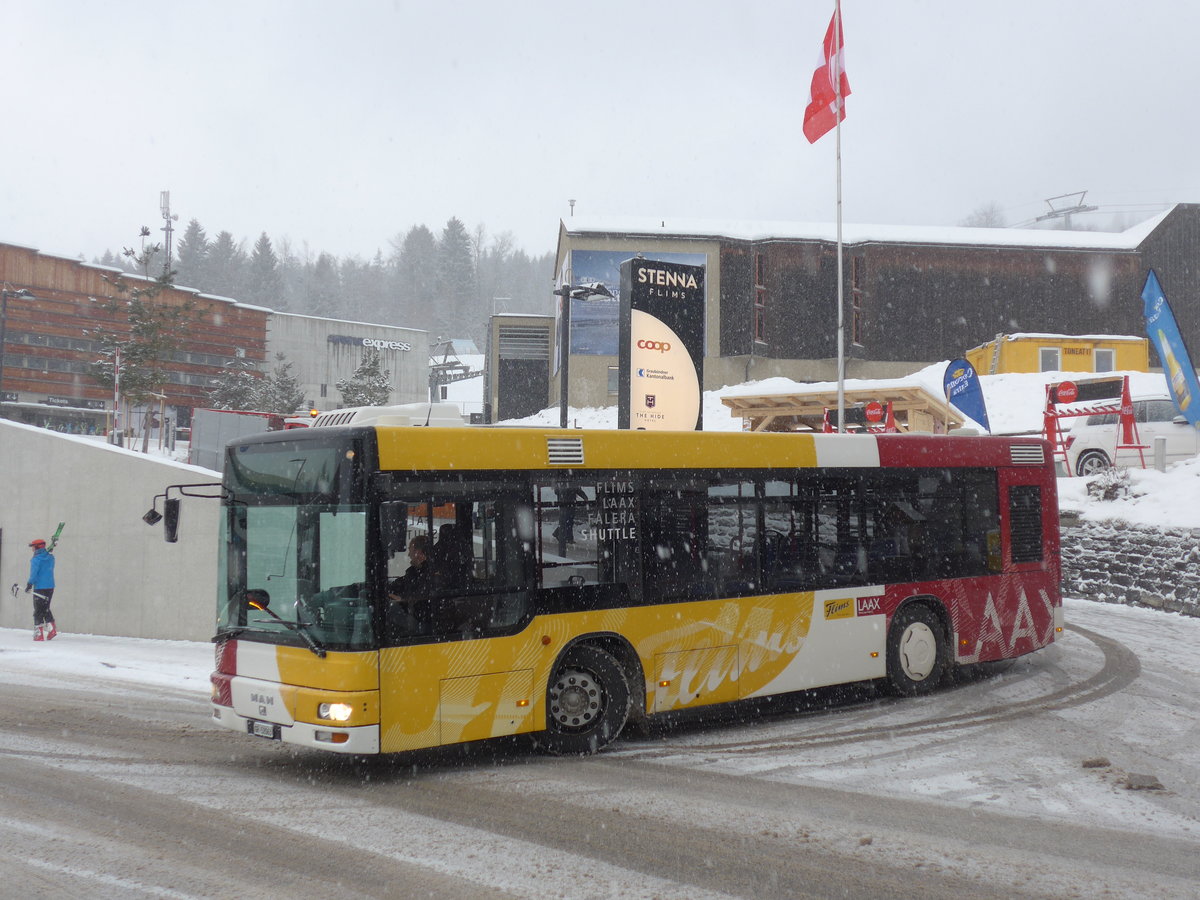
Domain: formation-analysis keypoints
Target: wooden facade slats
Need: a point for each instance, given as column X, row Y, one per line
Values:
column 69, row 301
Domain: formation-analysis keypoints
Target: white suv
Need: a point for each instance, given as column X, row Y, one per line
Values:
column 1092, row 441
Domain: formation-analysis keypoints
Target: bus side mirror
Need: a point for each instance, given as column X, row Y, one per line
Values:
column 393, row 525
column 171, row 520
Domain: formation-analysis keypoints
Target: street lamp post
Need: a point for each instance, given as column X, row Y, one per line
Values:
column 568, row 293
column 6, row 291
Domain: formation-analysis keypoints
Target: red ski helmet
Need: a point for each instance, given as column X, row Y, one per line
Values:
column 37, row 542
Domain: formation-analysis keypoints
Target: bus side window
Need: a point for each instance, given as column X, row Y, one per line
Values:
column 479, row 563
column 567, row 530
column 675, row 548
column 734, row 547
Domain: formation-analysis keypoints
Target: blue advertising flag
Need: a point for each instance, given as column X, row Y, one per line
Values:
column 962, row 388
column 1164, row 334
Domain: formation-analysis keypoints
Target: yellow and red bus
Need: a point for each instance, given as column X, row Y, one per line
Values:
column 580, row 579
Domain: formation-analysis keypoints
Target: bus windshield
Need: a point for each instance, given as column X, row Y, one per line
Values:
column 294, row 544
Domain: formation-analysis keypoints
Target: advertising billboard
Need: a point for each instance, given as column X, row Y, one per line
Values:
column 661, row 340
column 594, row 322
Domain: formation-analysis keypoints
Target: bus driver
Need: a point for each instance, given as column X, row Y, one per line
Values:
column 406, row 591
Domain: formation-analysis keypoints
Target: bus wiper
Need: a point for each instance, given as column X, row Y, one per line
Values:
column 233, row 631
column 301, row 628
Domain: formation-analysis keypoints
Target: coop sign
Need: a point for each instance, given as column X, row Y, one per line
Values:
column 373, row 343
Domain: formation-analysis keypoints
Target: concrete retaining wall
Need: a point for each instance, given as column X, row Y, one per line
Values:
column 115, row 575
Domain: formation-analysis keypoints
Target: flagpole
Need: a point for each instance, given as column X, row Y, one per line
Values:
column 841, row 350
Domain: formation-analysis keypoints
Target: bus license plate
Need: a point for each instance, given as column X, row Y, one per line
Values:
column 265, row 730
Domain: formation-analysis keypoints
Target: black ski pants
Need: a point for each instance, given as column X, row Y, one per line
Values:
column 41, row 607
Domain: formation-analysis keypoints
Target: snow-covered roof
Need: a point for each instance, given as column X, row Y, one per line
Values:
column 134, row 276
column 713, row 229
column 334, row 321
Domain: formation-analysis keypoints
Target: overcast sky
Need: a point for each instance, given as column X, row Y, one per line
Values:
column 341, row 125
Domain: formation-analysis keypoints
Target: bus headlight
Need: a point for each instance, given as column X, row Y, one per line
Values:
column 335, row 712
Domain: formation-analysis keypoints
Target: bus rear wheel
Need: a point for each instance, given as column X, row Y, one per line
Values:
column 587, row 702
column 916, row 651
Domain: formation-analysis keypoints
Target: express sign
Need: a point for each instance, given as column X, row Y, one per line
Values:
column 373, row 343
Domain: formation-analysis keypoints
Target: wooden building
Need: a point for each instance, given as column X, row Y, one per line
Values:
column 913, row 295
column 50, row 341
column 1061, row 353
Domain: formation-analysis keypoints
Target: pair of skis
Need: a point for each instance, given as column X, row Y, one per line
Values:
column 54, row 538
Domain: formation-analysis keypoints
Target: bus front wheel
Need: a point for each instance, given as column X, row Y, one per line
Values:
column 916, row 651
column 587, row 702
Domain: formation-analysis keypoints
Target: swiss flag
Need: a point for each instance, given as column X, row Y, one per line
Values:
column 821, row 114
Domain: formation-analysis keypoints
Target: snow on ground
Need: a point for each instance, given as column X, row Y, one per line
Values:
column 1014, row 402
column 960, row 746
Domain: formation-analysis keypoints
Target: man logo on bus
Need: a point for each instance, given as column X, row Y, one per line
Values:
column 660, row 346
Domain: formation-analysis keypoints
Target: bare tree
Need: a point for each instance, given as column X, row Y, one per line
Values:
column 989, row 215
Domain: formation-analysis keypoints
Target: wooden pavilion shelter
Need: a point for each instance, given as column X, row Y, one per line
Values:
column 915, row 408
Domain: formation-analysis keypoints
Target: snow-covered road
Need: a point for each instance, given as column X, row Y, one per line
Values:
column 1011, row 785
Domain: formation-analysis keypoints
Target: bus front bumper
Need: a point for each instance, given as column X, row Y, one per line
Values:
column 363, row 739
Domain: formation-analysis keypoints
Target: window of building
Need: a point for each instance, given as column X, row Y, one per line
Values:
column 760, row 298
column 1049, row 359
column 613, row 382
column 1105, row 360
column 856, row 299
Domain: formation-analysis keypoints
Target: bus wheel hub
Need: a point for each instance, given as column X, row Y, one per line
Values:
column 575, row 699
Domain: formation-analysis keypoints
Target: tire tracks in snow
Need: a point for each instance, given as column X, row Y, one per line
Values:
column 1121, row 667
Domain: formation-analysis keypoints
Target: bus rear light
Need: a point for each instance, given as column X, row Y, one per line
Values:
column 522, row 703
column 222, row 693
column 331, row 737
column 664, row 684
column 226, row 657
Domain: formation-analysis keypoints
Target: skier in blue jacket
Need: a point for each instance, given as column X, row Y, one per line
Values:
column 41, row 582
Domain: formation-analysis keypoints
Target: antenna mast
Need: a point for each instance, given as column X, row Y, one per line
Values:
column 164, row 204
